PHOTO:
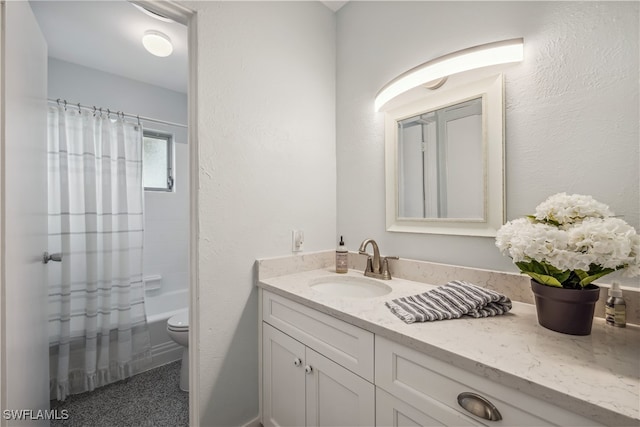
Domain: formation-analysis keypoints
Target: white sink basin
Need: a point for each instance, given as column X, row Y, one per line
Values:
column 349, row 286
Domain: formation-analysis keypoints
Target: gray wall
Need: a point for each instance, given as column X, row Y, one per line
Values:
column 571, row 109
column 94, row 87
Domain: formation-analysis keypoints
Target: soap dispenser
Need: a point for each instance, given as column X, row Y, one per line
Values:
column 615, row 307
column 342, row 259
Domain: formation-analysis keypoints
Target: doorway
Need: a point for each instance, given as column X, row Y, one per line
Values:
column 178, row 14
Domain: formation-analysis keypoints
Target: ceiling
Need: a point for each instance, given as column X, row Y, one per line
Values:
column 106, row 35
column 334, row 5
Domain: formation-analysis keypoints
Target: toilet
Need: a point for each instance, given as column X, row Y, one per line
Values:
column 178, row 330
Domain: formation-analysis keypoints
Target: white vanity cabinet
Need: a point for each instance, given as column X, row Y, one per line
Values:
column 301, row 386
column 318, row 370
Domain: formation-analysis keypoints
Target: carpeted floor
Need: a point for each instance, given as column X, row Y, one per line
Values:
column 149, row 399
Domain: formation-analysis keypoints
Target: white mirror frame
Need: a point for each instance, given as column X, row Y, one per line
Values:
column 491, row 91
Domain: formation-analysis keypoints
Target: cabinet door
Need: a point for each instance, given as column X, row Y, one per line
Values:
column 391, row 411
column 336, row 396
column 345, row 344
column 283, row 379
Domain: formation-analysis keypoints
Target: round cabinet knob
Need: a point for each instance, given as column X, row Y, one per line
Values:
column 479, row 406
column 308, row 369
column 297, row 362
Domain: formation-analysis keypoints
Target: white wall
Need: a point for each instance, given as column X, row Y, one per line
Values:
column 571, row 108
column 166, row 214
column 266, row 108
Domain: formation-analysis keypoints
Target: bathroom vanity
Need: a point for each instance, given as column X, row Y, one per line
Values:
column 334, row 360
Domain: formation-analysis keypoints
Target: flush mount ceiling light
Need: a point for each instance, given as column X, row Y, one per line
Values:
column 434, row 73
column 157, row 43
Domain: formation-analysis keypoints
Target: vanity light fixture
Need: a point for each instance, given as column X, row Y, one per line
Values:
column 152, row 14
column 157, row 43
column 434, row 73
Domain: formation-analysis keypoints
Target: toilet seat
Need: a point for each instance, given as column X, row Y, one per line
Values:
column 178, row 331
column 179, row 322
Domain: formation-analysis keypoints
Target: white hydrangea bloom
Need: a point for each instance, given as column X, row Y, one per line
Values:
column 572, row 233
column 566, row 209
column 523, row 240
column 608, row 241
column 633, row 269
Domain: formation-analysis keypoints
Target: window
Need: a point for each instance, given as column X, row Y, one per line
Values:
column 157, row 161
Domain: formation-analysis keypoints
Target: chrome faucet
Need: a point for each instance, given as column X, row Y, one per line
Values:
column 377, row 267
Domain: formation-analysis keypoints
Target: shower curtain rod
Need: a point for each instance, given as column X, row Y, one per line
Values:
column 65, row 104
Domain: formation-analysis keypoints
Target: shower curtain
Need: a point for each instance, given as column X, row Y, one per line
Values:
column 97, row 323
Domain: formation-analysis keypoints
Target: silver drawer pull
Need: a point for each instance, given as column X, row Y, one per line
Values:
column 308, row 369
column 479, row 406
column 297, row 361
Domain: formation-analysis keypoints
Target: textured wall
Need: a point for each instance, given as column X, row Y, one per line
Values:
column 571, row 108
column 266, row 122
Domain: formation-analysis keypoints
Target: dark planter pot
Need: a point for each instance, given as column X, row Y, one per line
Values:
column 569, row 311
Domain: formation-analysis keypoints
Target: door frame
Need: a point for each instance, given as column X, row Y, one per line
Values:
column 188, row 17
column 3, row 299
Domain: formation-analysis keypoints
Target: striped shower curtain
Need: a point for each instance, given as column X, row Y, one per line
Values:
column 97, row 324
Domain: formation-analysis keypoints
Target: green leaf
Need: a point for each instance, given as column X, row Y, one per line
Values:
column 563, row 276
column 552, row 270
column 581, row 274
column 524, row 266
column 538, row 267
column 544, row 279
column 585, row 281
column 544, row 273
column 573, row 281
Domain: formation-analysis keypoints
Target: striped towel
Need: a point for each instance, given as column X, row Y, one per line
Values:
column 451, row 301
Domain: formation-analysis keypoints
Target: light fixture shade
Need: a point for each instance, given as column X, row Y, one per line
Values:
column 152, row 14
column 157, row 43
column 485, row 55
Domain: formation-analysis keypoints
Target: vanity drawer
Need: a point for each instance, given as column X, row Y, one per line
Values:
column 345, row 344
column 418, row 380
column 393, row 412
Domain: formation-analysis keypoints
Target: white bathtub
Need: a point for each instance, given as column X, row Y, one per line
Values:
column 159, row 309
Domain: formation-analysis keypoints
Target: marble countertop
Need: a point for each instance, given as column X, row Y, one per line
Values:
column 596, row 376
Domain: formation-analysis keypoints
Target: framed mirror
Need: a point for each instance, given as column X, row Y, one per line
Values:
column 445, row 161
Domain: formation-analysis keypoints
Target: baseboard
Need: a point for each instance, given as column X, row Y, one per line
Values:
column 254, row 423
column 164, row 353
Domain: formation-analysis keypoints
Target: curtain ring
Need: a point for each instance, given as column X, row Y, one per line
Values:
column 79, row 109
column 94, row 111
column 100, row 112
column 65, row 105
column 58, row 101
column 138, row 117
column 108, row 113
